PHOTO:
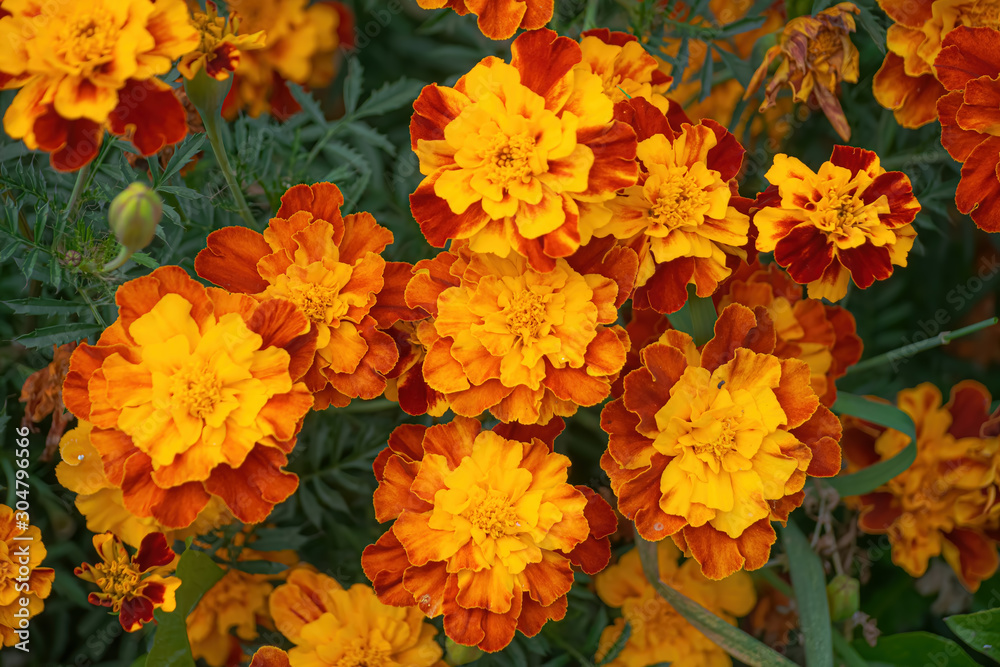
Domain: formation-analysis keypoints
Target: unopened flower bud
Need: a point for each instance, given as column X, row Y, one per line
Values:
column 458, row 654
column 207, row 94
column 134, row 215
column 844, row 596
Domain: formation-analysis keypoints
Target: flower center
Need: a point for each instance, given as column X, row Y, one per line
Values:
column 317, row 300
column 360, row 654
column 825, row 45
column 984, row 14
column 679, row 201
column 495, row 516
column 117, row 579
column 198, row 389
column 525, row 314
column 88, row 39
column 840, row 212
column 724, row 440
column 210, row 28
column 508, row 159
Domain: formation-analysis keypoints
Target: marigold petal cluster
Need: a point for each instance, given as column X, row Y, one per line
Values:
column 486, row 531
column 194, row 393
column 21, row 554
column 851, row 220
column 520, row 159
column 331, row 626
column 626, row 69
column 84, row 67
column 709, row 446
column 658, row 633
column 220, row 45
column 500, row 19
column 946, row 502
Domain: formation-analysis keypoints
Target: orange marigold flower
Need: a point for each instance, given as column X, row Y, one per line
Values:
column 486, row 531
column 520, row 158
column 773, row 618
column 270, row 656
column 945, row 503
column 194, row 393
column 709, row 446
column 967, row 66
column 825, row 337
column 331, row 626
column 525, row 345
column 658, row 632
column 14, row 572
column 684, row 217
column 218, row 52
column 817, row 54
column 86, row 66
column 850, row 221
column 133, row 586
column 500, row 19
column 626, row 69
column 42, row 396
column 327, row 265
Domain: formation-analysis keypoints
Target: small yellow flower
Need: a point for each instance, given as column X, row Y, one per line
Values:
column 218, row 52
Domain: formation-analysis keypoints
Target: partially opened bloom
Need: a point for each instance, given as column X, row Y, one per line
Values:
column 220, row 46
column 684, row 217
column 852, row 220
column 520, row 158
column 945, row 503
column 626, row 69
column 194, row 393
column 486, row 531
column 709, row 446
column 658, row 633
column 21, row 554
column 523, row 344
column 133, row 586
column 331, row 268
column 331, row 626
column 816, row 55
column 500, row 19
column 84, row 67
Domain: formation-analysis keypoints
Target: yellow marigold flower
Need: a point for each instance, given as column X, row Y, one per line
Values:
column 132, row 586
column 626, row 69
column 331, row 626
column 21, row 553
column 219, row 51
column 86, row 66
column 945, row 503
column 851, row 220
column 817, row 54
column 658, row 632
column 519, row 158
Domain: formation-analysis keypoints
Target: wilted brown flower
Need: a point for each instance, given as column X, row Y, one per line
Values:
column 42, row 393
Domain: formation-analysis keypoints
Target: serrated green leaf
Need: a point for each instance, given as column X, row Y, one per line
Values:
column 809, row 585
column 390, row 97
column 868, row 21
column 308, row 103
column 310, row 505
column 28, row 268
column 332, row 499
column 259, row 566
column 55, row 273
column 618, row 646
column 275, row 539
column 142, row 259
column 9, row 251
column 707, row 70
column 910, row 649
column 352, row 84
column 39, row 306
column 182, row 192
column 372, row 136
column 57, row 334
column 170, row 647
column 980, row 630
column 183, row 153
column 742, row 70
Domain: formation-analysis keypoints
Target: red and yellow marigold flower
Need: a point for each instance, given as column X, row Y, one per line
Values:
column 658, row 632
column 850, row 221
column 220, row 46
column 523, row 344
column 331, row 626
column 825, row 337
column 968, row 65
column 816, row 55
column 709, row 446
column 486, row 531
column 518, row 158
column 132, row 586
column 327, row 265
column 500, row 19
column 21, row 553
column 684, row 217
column 84, row 67
column 626, row 69
column 194, row 393
column 945, row 503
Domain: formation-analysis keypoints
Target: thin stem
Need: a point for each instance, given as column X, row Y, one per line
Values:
column 74, row 198
column 211, row 123
column 93, row 308
column 590, row 17
column 904, row 353
column 776, row 582
column 123, row 255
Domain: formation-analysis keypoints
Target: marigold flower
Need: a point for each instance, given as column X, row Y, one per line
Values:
column 967, row 66
column 825, row 337
column 658, row 632
column 520, row 158
column 87, row 66
column 945, row 503
column 500, row 19
column 525, row 345
column 816, row 55
column 850, row 221
column 709, row 446
column 773, row 618
column 39, row 579
column 270, row 656
column 331, row 626
column 219, row 50
column 684, row 217
column 626, row 69
column 194, row 393
column 133, row 586
column 486, row 531
column 327, row 265
column 42, row 396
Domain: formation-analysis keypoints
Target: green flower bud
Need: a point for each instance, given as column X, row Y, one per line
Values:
column 207, row 93
column 843, row 594
column 457, row 654
column 134, row 215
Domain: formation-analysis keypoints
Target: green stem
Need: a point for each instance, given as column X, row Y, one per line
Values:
column 907, row 351
column 93, row 308
column 74, row 198
column 776, row 582
column 123, row 255
column 843, row 648
column 211, row 123
column 590, row 18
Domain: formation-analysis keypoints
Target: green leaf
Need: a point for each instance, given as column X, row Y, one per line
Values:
column 275, row 539
column 846, row 652
column 183, row 153
column 868, row 21
column 742, row 70
column 352, row 84
column 142, row 259
column 981, row 631
column 809, row 585
column 696, row 318
column 373, row 137
column 57, row 334
column 707, row 70
column 390, row 97
column 259, row 566
column 308, row 103
column 40, row 306
column 914, row 648
column 878, row 474
column 618, row 646
column 170, row 647
column 182, row 192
